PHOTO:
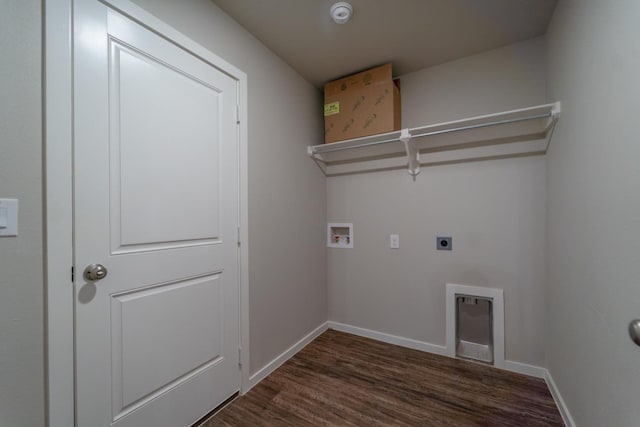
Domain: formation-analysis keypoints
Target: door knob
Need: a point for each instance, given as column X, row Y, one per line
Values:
column 634, row 331
column 95, row 272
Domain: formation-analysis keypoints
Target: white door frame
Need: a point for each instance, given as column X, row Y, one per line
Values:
column 58, row 113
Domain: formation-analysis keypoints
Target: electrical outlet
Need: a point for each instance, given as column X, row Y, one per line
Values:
column 444, row 243
column 394, row 241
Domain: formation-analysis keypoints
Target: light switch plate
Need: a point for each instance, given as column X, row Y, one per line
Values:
column 8, row 217
column 4, row 217
column 394, row 241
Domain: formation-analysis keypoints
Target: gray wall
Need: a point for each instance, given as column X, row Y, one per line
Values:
column 495, row 211
column 21, row 281
column 287, row 198
column 594, row 210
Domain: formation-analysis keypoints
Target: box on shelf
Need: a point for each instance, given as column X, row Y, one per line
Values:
column 363, row 104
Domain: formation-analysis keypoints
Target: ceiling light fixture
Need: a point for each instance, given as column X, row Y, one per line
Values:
column 341, row 12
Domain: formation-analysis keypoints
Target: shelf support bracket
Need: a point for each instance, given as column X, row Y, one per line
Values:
column 413, row 155
column 554, row 115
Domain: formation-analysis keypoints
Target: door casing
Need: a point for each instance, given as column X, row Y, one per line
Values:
column 58, row 178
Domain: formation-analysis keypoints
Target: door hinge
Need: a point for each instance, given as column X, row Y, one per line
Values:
column 73, row 274
column 237, row 114
column 238, row 236
column 240, row 357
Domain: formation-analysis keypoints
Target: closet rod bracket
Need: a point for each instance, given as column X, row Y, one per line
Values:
column 555, row 111
column 413, row 154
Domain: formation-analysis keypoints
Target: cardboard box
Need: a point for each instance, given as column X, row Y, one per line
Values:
column 367, row 103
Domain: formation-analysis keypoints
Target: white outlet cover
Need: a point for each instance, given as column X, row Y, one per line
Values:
column 394, row 241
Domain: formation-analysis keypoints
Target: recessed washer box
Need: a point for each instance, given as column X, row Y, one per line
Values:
column 339, row 235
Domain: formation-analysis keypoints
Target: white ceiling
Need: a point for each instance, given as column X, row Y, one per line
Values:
column 412, row 34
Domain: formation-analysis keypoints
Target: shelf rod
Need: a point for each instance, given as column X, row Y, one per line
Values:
column 439, row 132
column 482, row 125
column 366, row 144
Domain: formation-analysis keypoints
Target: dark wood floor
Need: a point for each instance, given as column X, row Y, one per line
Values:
column 344, row 380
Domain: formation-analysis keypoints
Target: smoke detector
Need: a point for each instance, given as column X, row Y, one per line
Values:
column 341, row 12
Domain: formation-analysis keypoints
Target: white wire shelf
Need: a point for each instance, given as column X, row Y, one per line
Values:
column 515, row 133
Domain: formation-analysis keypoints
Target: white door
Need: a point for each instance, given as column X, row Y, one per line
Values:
column 155, row 203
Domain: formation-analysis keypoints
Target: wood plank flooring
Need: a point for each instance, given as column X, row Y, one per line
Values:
column 345, row 380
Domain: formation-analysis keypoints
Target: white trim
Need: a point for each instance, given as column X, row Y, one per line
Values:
column 244, row 232
column 498, row 318
column 388, row 338
column 58, row 213
column 286, row 355
column 146, row 19
column 517, row 367
column 58, row 93
column 524, row 368
column 562, row 406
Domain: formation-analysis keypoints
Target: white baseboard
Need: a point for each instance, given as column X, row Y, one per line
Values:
column 525, row 369
column 388, row 338
column 520, row 368
column 286, row 355
column 562, row 407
